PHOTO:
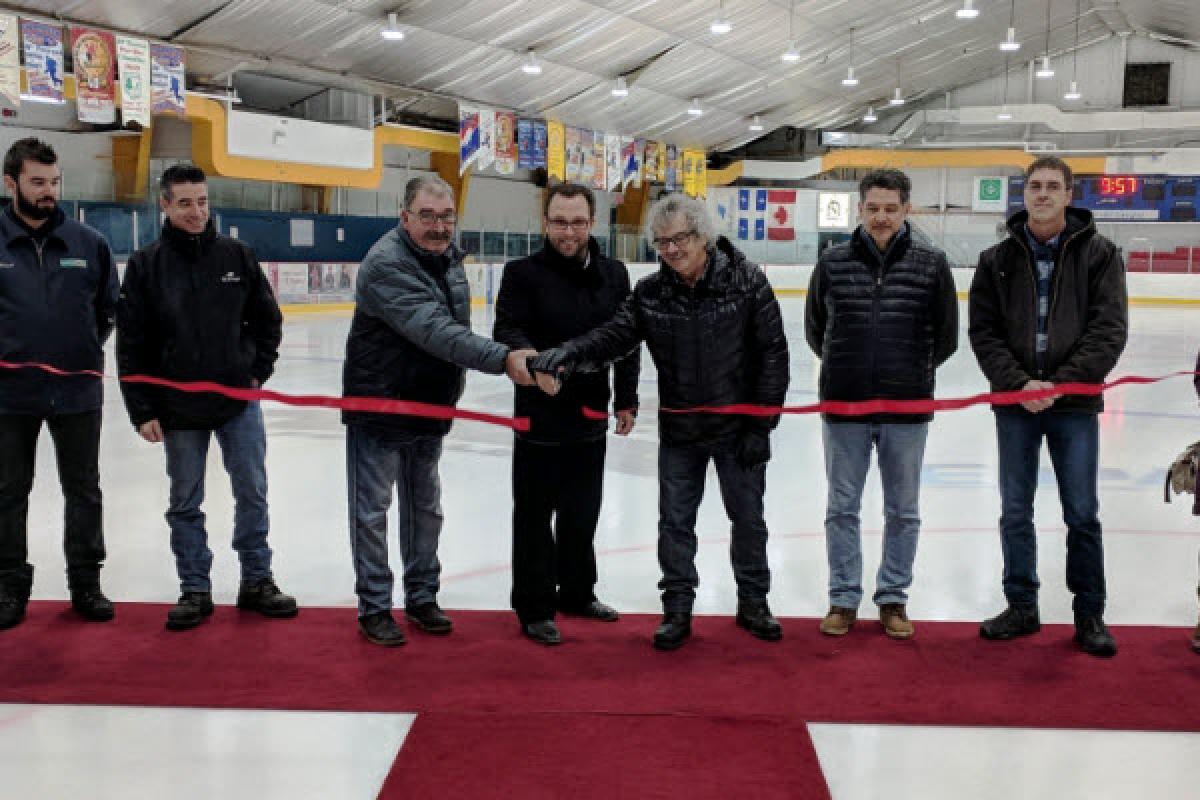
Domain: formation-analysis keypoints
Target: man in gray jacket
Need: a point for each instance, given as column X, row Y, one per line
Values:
column 411, row 340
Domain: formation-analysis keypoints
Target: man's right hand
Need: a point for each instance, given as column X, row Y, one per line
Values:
column 516, row 366
column 551, row 368
column 151, row 431
column 1037, row 406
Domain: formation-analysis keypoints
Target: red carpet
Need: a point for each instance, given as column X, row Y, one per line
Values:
column 604, row 715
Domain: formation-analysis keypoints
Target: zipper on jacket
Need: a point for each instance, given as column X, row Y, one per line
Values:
column 876, row 293
column 1062, row 260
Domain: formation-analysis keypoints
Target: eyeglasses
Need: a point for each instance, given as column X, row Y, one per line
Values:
column 560, row 224
column 429, row 218
column 680, row 241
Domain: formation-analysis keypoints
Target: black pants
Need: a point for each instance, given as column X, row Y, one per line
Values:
column 556, row 501
column 77, row 449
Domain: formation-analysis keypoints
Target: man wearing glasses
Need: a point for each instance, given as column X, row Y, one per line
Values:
column 410, row 339
column 714, row 329
column 565, row 289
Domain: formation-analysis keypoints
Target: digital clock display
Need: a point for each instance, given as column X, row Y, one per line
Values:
column 1117, row 185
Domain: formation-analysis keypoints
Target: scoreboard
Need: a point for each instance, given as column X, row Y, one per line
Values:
column 1127, row 198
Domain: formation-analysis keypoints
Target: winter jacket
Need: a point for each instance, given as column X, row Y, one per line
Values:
column 194, row 307
column 881, row 323
column 1088, row 323
column 718, row 343
column 546, row 299
column 411, row 337
column 58, row 298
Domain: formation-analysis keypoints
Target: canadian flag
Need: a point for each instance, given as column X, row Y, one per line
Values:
column 781, row 215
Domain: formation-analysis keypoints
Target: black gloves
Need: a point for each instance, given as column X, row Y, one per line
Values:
column 753, row 448
column 555, row 362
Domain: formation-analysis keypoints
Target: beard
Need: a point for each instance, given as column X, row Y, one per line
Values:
column 35, row 210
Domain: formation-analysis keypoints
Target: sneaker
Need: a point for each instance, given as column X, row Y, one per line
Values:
column 190, row 610
column 543, row 632
column 429, row 618
column 14, row 597
column 839, row 621
column 91, row 604
column 265, row 597
column 758, row 619
column 593, row 610
column 895, row 621
column 1093, row 636
column 381, row 629
column 675, row 629
column 1014, row 621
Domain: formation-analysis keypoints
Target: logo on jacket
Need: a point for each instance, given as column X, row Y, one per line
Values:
column 231, row 277
column 73, row 263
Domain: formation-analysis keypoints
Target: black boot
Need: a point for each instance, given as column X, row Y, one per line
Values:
column 1014, row 621
column 1093, row 636
column 758, row 619
column 265, row 598
column 14, row 596
column 676, row 627
column 543, row 632
column 191, row 609
column 429, row 618
column 380, row 628
column 90, row 603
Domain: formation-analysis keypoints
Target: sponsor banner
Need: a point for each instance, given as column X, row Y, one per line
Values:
column 167, row 82
column 10, row 60
column 487, row 139
column 556, row 150
column 506, row 142
column 541, row 144
column 468, row 137
column 577, row 160
column 598, row 163
column 525, row 144
column 44, row 61
column 133, row 69
column 650, row 162
column 613, row 171
column 94, row 55
column 671, row 179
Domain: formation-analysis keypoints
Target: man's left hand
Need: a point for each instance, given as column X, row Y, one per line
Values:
column 625, row 422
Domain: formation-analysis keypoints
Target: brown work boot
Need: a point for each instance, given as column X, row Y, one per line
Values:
column 839, row 621
column 895, row 621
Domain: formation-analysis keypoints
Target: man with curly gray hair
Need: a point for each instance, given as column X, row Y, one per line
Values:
column 714, row 329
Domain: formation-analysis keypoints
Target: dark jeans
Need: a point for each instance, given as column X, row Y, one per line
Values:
column 1073, row 441
column 243, row 442
column 557, row 491
column 376, row 466
column 77, row 451
column 681, row 475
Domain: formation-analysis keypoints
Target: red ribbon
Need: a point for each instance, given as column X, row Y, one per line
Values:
column 926, row 406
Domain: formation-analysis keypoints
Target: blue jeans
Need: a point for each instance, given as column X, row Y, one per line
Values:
column 243, row 442
column 681, row 474
column 1073, row 441
column 901, row 449
column 376, row 465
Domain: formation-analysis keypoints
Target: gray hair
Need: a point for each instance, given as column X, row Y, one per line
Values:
column 693, row 211
column 426, row 183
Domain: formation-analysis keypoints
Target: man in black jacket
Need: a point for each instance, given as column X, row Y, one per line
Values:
column 563, row 290
column 410, row 339
column 196, row 306
column 58, row 296
column 714, row 329
column 1048, row 305
column 882, row 316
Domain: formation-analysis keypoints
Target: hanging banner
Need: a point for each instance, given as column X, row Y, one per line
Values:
column 487, row 139
column 556, row 150
column 598, row 162
column 167, row 82
column 613, row 168
column 506, row 142
column 525, row 144
column 468, row 137
column 94, row 56
column 43, row 61
column 650, row 162
column 133, row 69
column 540, row 144
column 701, row 174
column 661, row 159
column 671, row 181
column 689, row 174
column 781, row 215
column 10, row 60
column 631, row 154
column 575, row 156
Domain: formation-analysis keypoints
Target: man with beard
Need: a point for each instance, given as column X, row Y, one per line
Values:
column 563, row 290
column 58, row 296
column 410, row 339
column 196, row 306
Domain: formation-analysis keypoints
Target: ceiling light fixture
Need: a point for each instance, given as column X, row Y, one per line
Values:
column 532, row 66
column 849, row 80
column 870, row 115
column 1073, row 93
column 1045, row 70
column 791, row 55
column 756, row 124
column 968, row 11
column 1010, row 44
column 392, row 32
column 620, row 88
column 897, row 98
column 721, row 24
column 695, row 109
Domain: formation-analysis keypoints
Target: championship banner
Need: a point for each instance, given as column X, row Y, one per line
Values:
column 556, row 151
column 597, row 176
column 487, row 139
column 613, row 168
column 506, row 142
column 10, row 60
column 468, row 137
column 94, row 55
column 631, row 155
column 43, row 61
column 573, row 154
column 167, row 82
column 671, row 181
column 650, row 162
column 133, row 69
column 525, row 144
column 541, row 144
